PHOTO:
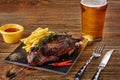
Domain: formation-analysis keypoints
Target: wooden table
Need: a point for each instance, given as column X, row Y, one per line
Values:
column 60, row 16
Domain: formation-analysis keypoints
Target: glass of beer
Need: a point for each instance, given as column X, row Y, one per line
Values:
column 93, row 18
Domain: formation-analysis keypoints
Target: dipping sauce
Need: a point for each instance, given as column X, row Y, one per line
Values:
column 11, row 30
column 11, row 33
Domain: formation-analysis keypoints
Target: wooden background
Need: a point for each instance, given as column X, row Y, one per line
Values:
column 60, row 16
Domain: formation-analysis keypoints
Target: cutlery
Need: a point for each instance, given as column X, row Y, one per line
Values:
column 96, row 53
column 14, row 71
column 102, row 64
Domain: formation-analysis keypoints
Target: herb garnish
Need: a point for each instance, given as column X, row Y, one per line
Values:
column 45, row 39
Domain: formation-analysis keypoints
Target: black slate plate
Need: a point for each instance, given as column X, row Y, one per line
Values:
column 18, row 57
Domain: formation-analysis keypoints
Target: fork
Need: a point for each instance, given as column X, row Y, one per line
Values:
column 96, row 53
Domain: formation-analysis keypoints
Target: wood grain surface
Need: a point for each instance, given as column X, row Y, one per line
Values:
column 60, row 16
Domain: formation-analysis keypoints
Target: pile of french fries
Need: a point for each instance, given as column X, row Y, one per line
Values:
column 34, row 38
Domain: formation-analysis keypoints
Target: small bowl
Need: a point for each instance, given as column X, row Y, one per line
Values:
column 11, row 32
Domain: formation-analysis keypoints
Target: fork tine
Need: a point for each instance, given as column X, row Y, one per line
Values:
column 100, row 47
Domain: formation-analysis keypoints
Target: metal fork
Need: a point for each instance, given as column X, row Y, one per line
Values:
column 96, row 53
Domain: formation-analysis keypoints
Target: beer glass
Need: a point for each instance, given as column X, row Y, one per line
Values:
column 93, row 18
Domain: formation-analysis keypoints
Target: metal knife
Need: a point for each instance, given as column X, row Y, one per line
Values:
column 102, row 64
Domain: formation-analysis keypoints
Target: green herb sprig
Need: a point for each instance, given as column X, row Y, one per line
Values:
column 45, row 39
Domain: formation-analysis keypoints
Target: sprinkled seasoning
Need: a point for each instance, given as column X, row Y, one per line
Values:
column 14, row 57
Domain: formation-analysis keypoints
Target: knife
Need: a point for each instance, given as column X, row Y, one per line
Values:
column 102, row 64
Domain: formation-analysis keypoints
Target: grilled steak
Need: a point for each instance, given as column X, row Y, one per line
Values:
column 53, row 49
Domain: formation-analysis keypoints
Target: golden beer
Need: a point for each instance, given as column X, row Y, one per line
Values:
column 93, row 17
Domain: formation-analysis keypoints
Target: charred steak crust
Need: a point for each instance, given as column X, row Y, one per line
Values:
column 53, row 49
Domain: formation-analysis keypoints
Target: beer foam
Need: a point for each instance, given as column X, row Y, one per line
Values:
column 94, row 3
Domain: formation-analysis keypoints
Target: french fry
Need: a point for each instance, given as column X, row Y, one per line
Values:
column 34, row 38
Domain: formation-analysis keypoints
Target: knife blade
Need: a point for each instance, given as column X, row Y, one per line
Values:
column 102, row 64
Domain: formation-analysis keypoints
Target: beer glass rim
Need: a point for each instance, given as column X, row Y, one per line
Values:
column 95, row 5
